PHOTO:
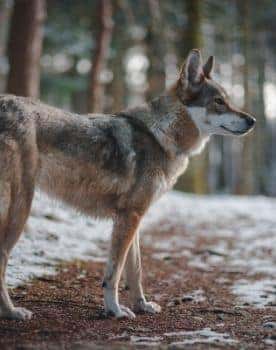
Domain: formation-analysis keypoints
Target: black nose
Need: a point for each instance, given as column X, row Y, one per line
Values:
column 250, row 121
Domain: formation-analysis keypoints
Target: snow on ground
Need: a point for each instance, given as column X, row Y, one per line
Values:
column 54, row 234
column 244, row 229
column 203, row 336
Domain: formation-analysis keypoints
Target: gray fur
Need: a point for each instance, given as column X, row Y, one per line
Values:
column 109, row 166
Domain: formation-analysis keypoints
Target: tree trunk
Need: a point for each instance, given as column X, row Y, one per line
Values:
column 199, row 165
column 24, row 47
column 246, row 184
column 156, row 50
column 118, row 86
column 193, row 33
column 4, row 10
column 196, row 177
column 103, row 25
column 261, row 129
column 4, row 20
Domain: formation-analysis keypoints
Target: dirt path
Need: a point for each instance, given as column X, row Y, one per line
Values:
column 210, row 261
column 199, row 311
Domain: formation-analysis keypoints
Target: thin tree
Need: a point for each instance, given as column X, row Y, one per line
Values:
column 24, row 47
column 156, row 50
column 193, row 34
column 118, row 86
column 3, row 19
column 261, row 128
column 195, row 179
column 103, row 24
column 246, row 185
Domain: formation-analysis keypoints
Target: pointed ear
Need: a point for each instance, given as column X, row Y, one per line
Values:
column 208, row 66
column 192, row 72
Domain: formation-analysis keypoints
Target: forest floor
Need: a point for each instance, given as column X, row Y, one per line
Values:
column 208, row 261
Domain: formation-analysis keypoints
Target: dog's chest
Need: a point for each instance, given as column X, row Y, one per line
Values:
column 178, row 165
column 167, row 179
column 175, row 167
column 199, row 145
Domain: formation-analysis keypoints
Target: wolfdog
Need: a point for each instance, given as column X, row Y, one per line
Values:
column 108, row 166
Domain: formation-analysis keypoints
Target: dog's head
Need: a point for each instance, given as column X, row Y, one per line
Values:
column 207, row 102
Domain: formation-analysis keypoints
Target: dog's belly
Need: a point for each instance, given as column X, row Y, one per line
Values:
column 90, row 190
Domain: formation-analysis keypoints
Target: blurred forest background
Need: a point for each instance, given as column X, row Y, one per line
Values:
column 105, row 55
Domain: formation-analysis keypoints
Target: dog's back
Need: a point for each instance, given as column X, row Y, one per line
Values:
column 89, row 161
column 75, row 158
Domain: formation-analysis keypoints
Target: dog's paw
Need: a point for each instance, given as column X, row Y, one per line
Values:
column 147, row 307
column 121, row 312
column 17, row 313
column 125, row 312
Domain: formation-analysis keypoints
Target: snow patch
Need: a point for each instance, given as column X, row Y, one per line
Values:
column 55, row 233
column 258, row 293
column 203, row 336
column 146, row 341
column 249, row 223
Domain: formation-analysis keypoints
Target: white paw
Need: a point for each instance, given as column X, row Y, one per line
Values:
column 125, row 313
column 121, row 312
column 148, row 307
column 17, row 313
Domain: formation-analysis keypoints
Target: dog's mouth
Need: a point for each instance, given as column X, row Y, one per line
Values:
column 235, row 132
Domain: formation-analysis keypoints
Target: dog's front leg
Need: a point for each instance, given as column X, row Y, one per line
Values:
column 125, row 227
column 134, row 280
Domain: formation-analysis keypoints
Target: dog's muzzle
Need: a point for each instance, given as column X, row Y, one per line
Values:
column 250, row 122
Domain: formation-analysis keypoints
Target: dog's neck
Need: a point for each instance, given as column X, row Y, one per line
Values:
column 173, row 125
column 197, row 114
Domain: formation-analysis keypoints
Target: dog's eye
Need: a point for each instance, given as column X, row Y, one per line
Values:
column 219, row 100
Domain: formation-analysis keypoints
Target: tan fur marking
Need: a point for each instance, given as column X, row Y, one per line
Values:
column 187, row 134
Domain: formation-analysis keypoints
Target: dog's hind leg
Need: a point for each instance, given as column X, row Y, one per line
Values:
column 125, row 227
column 134, row 280
column 17, row 177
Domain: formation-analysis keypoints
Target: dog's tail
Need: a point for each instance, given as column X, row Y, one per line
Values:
column 12, row 112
